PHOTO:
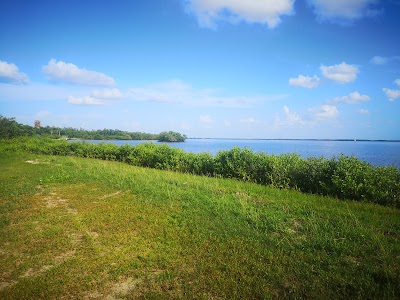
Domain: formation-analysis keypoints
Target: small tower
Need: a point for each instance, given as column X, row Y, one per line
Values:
column 37, row 124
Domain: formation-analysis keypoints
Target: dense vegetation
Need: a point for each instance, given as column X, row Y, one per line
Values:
column 78, row 228
column 342, row 177
column 10, row 128
column 171, row 136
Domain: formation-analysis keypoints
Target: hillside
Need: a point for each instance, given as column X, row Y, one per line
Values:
column 90, row 229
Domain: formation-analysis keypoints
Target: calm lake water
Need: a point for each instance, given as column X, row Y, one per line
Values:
column 376, row 153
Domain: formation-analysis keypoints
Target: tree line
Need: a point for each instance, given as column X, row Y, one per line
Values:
column 10, row 128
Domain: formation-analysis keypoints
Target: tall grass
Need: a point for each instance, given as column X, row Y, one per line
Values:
column 343, row 177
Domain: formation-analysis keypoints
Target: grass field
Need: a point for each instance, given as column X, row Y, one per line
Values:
column 74, row 228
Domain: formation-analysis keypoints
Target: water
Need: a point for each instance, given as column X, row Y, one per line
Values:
column 376, row 153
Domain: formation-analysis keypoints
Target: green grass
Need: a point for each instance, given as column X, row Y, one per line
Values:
column 74, row 228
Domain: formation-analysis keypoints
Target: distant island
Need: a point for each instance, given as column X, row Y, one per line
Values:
column 10, row 128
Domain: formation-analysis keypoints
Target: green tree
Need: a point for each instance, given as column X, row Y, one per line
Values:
column 10, row 128
column 171, row 136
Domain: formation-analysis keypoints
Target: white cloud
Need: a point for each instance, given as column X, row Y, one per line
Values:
column 343, row 11
column 107, row 94
column 324, row 112
column 397, row 81
column 363, row 111
column 97, row 97
column 379, row 60
column 292, row 118
column 391, row 94
column 87, row 100
column 342, row 73
column 314, row 117
column 248, row 120
column 206, row 119
column 352, row 98
column 9, row 73
column 177, row 91
column 267, row 12
column 70, row 73
column 305, row 81
column 38, row 92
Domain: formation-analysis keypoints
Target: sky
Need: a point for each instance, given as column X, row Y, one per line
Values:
column 324, row 69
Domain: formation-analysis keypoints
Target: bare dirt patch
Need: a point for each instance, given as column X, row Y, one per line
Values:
column 36, row 162
column 117, row 291
column 57, row 202
column 123, row 288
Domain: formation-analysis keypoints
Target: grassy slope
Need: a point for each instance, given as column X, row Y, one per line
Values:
column 81, row 228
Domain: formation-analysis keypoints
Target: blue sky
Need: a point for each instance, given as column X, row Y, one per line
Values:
column 205, row 68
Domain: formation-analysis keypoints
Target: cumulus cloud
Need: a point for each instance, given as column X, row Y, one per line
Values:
column 268, row 12
column 352, row 98
column 70, row 73
column 391, row 94
column 86, row 100
column 9, row 73
column 343, row 11
column 363, row 111
column 292, row 118
column 305, row 81
column 177, row 91
column 324, row 112
column 397, row 81
column 342, row 73
column 313, row 117
column 289, row 119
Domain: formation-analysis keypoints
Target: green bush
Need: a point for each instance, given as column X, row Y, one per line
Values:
column 200, row 164
column 343, row 177
column 358, row 180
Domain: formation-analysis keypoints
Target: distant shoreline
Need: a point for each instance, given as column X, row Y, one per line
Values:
column 315, row 140
column 248, row 139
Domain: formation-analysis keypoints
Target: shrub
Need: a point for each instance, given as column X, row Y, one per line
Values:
column 343, row 177
column 358, row 180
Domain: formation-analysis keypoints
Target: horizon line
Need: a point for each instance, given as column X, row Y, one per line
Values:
column 297, row 139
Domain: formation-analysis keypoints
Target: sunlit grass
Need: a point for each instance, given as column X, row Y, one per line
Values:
column 82, row 228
